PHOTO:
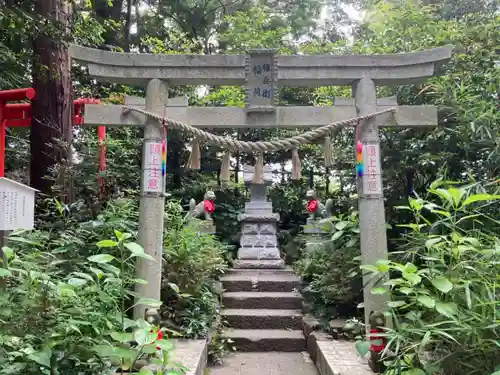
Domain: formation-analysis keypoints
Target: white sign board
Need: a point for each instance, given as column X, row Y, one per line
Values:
column 372, row 176
column 17, row 205
column 152, row 178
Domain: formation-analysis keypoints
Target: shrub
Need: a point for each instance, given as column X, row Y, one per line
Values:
column 64, row 301
column 192, row 262
column 443, row 287
column 330, row 269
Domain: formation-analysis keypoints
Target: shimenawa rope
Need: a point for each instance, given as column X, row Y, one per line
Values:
column 260, row 146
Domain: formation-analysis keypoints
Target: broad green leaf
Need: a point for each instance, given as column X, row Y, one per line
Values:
column 410, row 268
column 468, row 298
column 383, row 265
column 415, row 204
column 165, row 345
column 479, row 198
column 174, row 287
column 448, row 309
column 104, row 350
column 442, row 283
column 65, row 290
column 456, row 195
column 42, row 357
column 378, row 290
column 101, row 258
column 5, row 272
column 337, row 235
column 118, row 235
column 444, row 195
column 149, row 348
column 433, row 241
column 77, row 281
column 427, row 301
column 137, row 250
column 107, row 243
column 396, row 304
column 412, row 278
column 122, row 336
column 144, row 336
column 406, row 290
column 341, row 225
column 7, row 252
column 145, row 371
column 134, row 248
column 24, row 240
column 441, row 212
column 425, row 340
column 362, row 347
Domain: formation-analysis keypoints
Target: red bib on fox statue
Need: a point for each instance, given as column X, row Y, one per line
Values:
column 312, row 205
column 377, row 343
column 208, row 206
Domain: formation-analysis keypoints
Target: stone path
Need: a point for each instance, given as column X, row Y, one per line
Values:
column 269, row 363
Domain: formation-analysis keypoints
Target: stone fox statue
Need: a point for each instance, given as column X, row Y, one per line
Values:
column 203, row 209
column 316, row 209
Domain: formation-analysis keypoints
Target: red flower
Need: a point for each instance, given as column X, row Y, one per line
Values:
column 208, row 206
column 312, row 206
column 159, row 336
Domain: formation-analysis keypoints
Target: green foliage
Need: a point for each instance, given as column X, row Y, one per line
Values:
column 192, row 262
column 117, row 348
column 329, row 268
column 443, row 286
column 219, row 346
column 54, row 321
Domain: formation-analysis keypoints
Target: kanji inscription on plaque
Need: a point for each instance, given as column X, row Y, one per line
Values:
column 152, row 178
column 260, row 79
column 372, row 179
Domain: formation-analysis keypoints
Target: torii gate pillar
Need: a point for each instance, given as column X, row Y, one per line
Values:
column 152, row 200
column 370, row 192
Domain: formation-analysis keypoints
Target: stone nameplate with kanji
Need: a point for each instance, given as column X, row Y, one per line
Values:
column 260, row 85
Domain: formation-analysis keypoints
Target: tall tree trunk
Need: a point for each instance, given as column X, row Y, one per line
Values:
column 52, row 109
column 127, row 26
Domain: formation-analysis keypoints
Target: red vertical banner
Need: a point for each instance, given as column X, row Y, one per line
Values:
column 2, row 139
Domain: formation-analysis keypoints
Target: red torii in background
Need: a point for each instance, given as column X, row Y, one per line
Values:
column 19, row 115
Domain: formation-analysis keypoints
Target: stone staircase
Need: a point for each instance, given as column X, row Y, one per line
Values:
column 263, row 310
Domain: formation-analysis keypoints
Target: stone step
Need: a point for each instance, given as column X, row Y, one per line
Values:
column 262, row 300
column 263, row 319
column 265, row 271
column 267, row 340
column 259, row 264
column 261, row 282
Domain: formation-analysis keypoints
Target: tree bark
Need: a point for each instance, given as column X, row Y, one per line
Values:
column 52, row 109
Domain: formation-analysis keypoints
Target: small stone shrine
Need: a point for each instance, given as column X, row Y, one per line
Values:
column 258, row 241
column 203, row 211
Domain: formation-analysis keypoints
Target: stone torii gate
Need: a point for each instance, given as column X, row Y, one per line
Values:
column 261, row 72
